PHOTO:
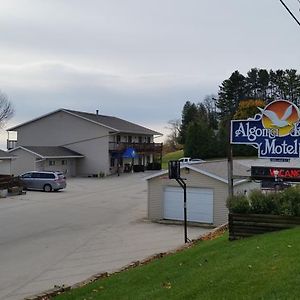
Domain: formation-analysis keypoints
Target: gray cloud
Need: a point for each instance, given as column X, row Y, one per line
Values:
column 140, row 60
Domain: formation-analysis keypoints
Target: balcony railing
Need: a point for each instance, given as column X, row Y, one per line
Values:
column 138, row 147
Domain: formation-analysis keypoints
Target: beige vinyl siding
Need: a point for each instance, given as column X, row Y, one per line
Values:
column 5, row 167
column 59, row 129
column 62, row 129
column 96, row 156
column 155, row 198
column 69, row 169
column 156, row 187
column 24, row 162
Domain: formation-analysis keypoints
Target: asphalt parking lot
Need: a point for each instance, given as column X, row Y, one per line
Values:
column 95, row 225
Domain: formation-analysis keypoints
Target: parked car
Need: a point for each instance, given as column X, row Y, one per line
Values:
column 189, row 160
column 184, row 160
column 46, row 181
column 196, row 161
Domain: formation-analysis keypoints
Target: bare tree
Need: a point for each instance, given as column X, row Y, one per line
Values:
column 171, row 143
column 6, row 109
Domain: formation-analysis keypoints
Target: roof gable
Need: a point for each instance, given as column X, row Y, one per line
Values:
column 5, row 155
column 213, row 169
column 110, row 122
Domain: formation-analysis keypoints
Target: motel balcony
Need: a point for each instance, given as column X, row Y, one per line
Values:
column 143, row 148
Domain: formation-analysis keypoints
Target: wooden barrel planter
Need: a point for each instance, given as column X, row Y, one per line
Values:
column 245, row 225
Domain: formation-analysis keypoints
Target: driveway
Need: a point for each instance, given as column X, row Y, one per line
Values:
column 95, row 225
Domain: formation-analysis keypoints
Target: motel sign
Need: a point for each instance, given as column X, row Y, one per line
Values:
column 275, row 132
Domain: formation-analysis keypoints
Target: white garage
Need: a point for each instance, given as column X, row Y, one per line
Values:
column 207, row 190
column 199, row 204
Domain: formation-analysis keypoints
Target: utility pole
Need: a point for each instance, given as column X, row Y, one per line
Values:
column 230, row 161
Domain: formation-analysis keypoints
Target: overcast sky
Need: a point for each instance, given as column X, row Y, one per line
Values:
column 136, row 59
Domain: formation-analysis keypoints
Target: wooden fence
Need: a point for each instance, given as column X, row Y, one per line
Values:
column 245, row 225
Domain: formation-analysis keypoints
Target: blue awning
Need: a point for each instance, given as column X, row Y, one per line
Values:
column 130, row 153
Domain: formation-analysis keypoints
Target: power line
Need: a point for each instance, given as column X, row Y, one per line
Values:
column 290, row 11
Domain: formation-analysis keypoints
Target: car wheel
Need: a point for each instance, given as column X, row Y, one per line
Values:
column 47, row 188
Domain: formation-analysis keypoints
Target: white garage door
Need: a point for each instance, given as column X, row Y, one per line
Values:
column 199, row 204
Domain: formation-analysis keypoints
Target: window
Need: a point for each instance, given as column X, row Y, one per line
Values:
column 140, row 139
column 129, row 139
column 46, row 175
column 51, row 162
column 27, row 175
column 148, row 139
column 64, row 162
column 118, row 138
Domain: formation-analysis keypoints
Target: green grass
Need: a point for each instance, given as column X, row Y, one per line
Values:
column 171, row 156
column 262, row 267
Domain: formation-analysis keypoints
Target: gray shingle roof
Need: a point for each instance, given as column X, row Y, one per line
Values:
column 115, row 123
column 220, row 168
column 48, row 152
column 217, row 169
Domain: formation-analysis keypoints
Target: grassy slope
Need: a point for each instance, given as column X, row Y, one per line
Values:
column 263, row 267
column 171, row 156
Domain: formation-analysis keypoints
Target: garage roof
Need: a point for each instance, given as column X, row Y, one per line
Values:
column 50, row 151
column 217, row 169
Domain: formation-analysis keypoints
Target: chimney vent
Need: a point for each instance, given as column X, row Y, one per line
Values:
column 97, row 112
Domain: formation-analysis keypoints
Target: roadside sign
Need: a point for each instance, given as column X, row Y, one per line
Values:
column 275, row 131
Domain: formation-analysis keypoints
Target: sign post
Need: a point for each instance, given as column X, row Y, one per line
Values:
column 230, row 165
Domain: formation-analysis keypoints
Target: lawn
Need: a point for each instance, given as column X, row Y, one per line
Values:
column 262, row 267
column 171, row 156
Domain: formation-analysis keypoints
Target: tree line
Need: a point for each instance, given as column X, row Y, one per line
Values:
column 203, row 128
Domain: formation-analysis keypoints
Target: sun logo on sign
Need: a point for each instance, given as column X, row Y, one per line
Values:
column 281, row 115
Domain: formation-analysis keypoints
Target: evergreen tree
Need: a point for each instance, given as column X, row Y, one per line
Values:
column 231, row 92
column 189, row 114
column 264, row 84
column 211, row 109
column 292, row 86
column 199, row 141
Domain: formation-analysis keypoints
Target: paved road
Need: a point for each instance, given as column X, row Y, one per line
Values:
column 95, row 225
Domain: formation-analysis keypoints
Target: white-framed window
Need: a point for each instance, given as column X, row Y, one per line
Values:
column 64, row 162
column 51, row 162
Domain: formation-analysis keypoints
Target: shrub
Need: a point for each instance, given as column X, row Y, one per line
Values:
column 261, row 203
column 286, row 202
column 238, row 204
column 289, row 202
